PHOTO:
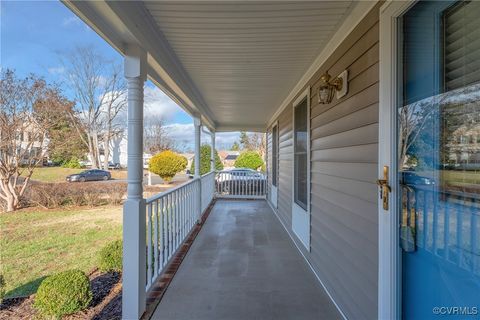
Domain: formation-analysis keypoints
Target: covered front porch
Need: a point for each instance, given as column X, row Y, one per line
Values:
column 306, row 247
column 243, row 265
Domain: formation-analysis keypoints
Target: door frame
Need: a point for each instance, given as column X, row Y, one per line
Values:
column 389, row 254
column 298, row 211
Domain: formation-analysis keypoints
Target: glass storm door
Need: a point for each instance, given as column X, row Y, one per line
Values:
column 438, row 159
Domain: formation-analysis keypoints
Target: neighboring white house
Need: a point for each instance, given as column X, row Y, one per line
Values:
column 118, row 152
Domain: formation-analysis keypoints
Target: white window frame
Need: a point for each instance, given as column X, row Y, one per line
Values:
column 301, row 217
column 389, row 255
column 274, row 188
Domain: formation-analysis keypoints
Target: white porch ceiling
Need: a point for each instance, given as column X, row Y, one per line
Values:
column 245, row 57
column 233, row 62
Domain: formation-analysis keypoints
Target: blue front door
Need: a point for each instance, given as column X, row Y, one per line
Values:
column 438, row 131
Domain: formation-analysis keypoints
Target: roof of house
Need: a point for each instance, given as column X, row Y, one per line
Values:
column 231, row 157
column 228, row 154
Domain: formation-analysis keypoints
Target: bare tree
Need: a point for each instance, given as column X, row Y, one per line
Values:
column 156, row 136
column 416, row 117
column 99, row 89
column 23, row 133
column 254, row 141
column 114, row 104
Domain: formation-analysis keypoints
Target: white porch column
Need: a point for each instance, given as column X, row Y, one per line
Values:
column 197, row 122
column 212, row 154
column 134, row 259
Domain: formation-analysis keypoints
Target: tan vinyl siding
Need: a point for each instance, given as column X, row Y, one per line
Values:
column 344, row 155
column 285, row 169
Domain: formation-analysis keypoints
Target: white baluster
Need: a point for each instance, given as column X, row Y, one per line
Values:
column 149, row 245
column 155, row 235
column 169, row 217
column 162, row 234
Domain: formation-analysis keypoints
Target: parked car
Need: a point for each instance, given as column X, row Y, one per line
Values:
column 114, row 166
column 241, row 181
column 89, row 175
column 413, row 179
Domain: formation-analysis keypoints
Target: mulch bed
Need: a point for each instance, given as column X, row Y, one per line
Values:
column 106, row 302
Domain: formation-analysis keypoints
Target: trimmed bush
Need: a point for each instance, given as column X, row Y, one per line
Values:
column 54, row 195
column 63, row 293
column 185, row 161
column 205, row 153
column 48, row 195
column 167, row 164
column 116, row 193
column 249, row 159
column 73, row 163
column 2, row 288
column 110, row 257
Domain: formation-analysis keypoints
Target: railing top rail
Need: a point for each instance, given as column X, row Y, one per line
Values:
column 164, row 193
column 208, row 173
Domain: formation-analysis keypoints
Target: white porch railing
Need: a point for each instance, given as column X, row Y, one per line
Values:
column 240, row 184
column 208, row 189
column 171, row 215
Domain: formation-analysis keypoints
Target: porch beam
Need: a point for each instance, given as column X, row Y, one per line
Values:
column 241, row 127
column 134, row 259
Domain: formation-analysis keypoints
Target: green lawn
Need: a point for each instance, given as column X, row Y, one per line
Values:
column 36, row 243
column 58, row 174
column 459, row 177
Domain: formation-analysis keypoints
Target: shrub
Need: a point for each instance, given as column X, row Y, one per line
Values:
column 73, row 163
column 166, row 164
column 116, row 193
column 185, row 161
column 249, row 159
column 205, row 153
column 92, row 198
column 63, row 293
column 54, row 195
column 264, row 168
column 2, row 288
column 48, row 195
column 110, row 257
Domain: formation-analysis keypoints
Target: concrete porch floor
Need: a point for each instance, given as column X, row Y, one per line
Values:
column 243, row 265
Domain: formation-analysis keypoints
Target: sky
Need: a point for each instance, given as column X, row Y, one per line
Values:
column 35, row 34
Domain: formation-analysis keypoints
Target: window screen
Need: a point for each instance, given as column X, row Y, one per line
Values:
column 300, row 154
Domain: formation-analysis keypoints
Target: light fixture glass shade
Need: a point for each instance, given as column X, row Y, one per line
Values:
column 325, row 94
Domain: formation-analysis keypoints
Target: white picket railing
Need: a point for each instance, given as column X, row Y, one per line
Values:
column 171, row 215
column 207, row 188
column 240, row 184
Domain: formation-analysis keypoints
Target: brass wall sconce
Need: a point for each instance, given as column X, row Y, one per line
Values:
column 330, row 86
